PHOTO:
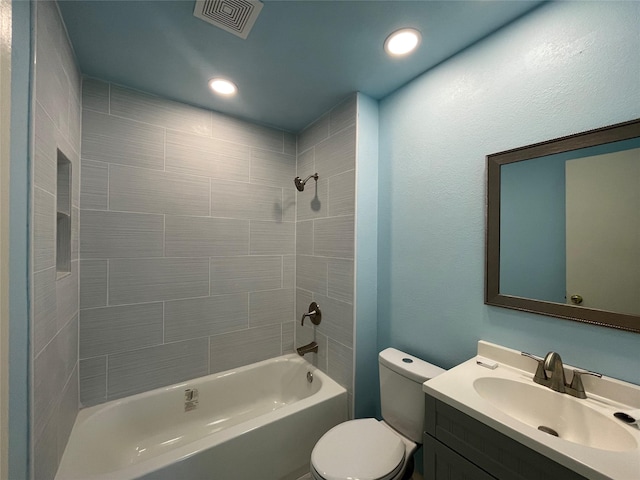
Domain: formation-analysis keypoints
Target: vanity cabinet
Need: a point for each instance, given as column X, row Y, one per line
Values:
column 457, row 446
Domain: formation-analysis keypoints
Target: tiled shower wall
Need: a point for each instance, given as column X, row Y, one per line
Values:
column 54, row 300
column 187, row 247
column 325, row 239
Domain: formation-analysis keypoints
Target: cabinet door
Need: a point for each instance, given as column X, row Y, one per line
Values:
column 490, row 450
column 442, row 463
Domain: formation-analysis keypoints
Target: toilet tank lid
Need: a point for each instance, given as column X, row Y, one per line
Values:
column 409, row 366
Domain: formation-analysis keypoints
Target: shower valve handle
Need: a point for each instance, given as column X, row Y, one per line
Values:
column 314, row 314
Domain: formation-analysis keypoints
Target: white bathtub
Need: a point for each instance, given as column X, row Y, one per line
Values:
column 258, row 422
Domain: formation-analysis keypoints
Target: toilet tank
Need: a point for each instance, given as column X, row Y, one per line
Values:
column 401, row 395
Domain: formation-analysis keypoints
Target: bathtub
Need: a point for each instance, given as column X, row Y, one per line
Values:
column 258, row 422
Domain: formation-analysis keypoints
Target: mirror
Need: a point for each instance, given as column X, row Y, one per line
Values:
column 563, row 227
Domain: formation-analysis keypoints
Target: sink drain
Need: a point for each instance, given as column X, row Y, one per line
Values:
column 548, row 430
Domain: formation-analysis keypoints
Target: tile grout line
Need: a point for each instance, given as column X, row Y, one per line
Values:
column 106, row 377
column 108, row 187
column 151, row 302
column 295, row 252
column 173, row 129
column 282, row 271
column 248, row 310
column 107, row 285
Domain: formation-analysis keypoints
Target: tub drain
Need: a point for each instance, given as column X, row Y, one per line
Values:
column 309, row 377
column 548, row 430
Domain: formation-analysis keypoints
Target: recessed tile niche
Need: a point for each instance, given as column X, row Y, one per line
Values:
column 63, row 216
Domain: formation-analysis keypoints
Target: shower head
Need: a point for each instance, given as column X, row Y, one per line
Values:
column 301, row 183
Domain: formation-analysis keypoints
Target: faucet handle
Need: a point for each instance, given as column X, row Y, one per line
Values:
column 577, row 388
column 314, row 314
column 531, row 355
column 540, row 374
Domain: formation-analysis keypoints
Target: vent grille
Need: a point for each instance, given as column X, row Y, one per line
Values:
column 233, row 16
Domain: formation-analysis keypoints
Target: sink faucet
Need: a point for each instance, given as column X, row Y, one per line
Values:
column 553, row 364
column 556, row 380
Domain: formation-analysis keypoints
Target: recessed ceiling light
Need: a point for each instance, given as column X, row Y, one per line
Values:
column 223, row 86
column 402, row 41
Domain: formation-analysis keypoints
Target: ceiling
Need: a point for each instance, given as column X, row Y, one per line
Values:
column 300, row 59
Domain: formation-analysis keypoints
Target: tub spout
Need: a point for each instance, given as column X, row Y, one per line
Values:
column 308, row 348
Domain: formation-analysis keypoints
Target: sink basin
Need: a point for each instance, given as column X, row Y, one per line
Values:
column 554, row 412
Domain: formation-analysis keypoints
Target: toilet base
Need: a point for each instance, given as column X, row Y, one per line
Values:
column 411, row 465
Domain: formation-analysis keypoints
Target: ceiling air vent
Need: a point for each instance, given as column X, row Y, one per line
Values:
column 234, row 16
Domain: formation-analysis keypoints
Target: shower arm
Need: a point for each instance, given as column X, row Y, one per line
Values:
column 314, row 176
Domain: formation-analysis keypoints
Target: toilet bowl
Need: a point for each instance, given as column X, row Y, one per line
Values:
column 370, row 449
column 366, row 449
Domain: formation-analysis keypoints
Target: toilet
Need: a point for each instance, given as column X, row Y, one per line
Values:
column 368, row 449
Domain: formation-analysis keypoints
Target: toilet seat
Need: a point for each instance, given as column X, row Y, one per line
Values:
column 358, row 449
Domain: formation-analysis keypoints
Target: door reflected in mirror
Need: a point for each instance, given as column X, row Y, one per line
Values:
column 563, row 227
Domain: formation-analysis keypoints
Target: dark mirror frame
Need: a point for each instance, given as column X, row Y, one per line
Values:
column 600, row 136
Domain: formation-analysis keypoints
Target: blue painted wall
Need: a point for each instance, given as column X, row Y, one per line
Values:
column 366, row 265
column 18, row 244
column 564, row 68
